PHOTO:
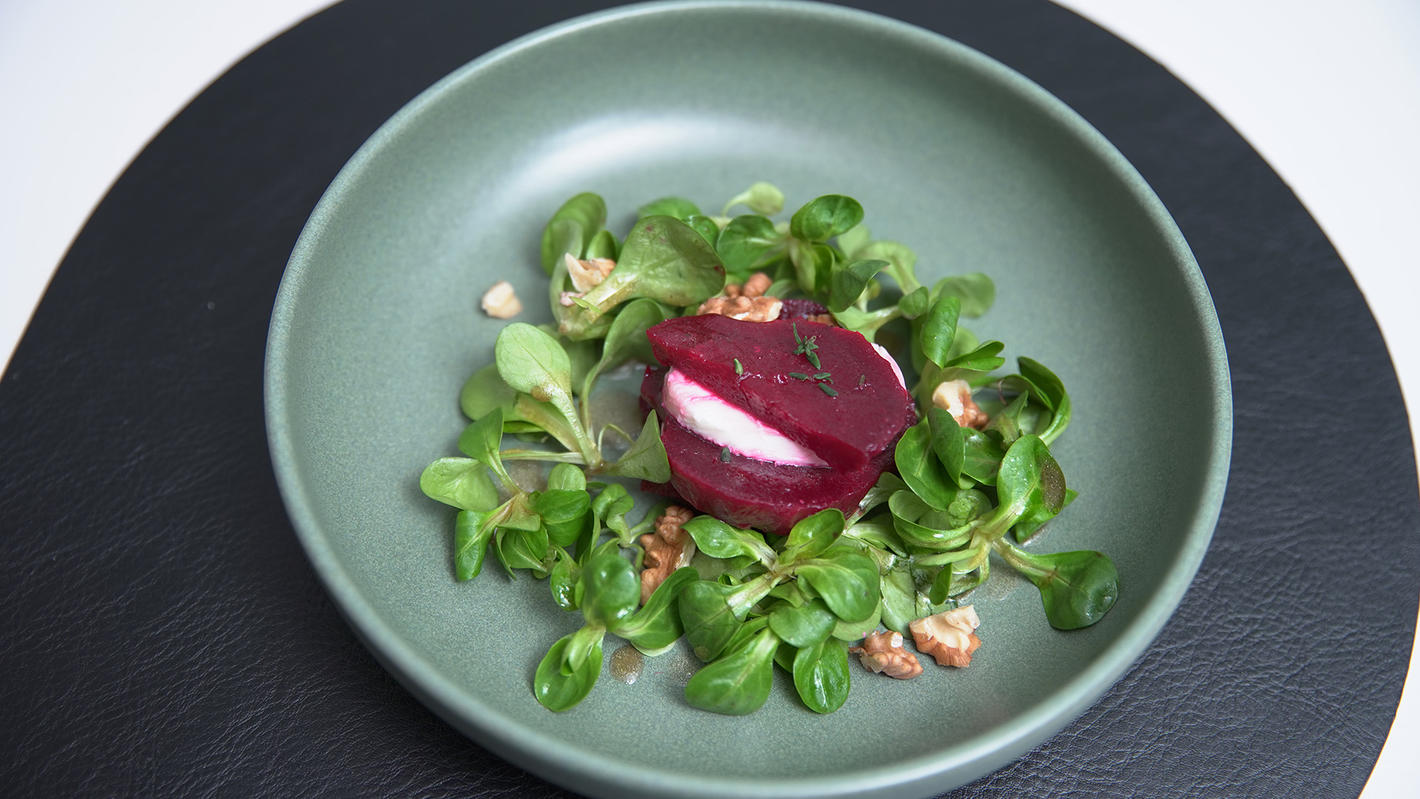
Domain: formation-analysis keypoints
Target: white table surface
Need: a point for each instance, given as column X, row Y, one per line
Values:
column 1327, row 91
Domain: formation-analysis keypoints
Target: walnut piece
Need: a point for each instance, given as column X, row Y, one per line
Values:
column 755, row 309
column 586, row 273
column 745, row 301
column 954, row 397
column 948, row 636
column 667, row 549
column 500, row 302
column 755, row 286
column 883, row 653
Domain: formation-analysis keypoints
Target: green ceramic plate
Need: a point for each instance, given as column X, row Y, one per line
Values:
column 377, row 325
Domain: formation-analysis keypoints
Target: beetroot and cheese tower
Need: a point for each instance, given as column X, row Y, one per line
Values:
column 847, row 409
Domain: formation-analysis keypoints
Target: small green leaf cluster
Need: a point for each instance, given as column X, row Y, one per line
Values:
column 607, row 591
column 559, row 533
column 541, row 387
column 532, row 530
column 662, row 260
column 920, row 540
column 797, row 605
column 959, row 491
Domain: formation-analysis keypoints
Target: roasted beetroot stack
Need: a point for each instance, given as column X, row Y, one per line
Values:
column 822, row 387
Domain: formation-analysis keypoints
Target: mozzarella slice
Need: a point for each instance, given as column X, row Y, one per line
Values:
column 707, row 415
column 897, row 370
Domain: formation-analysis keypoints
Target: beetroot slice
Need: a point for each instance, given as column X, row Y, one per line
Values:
column 862, row 414
column 752, row 493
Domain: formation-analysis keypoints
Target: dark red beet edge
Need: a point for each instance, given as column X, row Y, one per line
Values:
column 801, row 309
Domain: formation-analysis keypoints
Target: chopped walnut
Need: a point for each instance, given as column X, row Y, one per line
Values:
column 749, row 309
column 758, row 283
column 948, row 636
column 746, row 301
column 954, row 397
column 883, row 653
column 589, row 272
column 500, row 302
column 668, row 549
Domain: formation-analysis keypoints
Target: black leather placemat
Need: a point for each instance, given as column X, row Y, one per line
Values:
column 161, row 632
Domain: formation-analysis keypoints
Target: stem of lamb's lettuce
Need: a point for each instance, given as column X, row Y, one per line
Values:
column 543, row 455
column 747, row 595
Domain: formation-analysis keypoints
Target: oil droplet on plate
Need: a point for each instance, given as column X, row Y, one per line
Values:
column 626, row 664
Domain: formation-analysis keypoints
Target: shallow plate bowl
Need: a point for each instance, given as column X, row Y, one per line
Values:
column 377, row 325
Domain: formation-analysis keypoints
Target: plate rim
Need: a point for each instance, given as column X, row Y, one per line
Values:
column 504, row 734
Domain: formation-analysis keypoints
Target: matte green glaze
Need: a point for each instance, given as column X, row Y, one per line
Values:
column 377, row 325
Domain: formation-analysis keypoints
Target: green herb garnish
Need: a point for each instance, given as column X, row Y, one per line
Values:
column 806, row 346
column 827, row 389
column 739, row 367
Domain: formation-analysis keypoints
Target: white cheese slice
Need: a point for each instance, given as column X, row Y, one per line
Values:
column 707, row 415
column 897, row 370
